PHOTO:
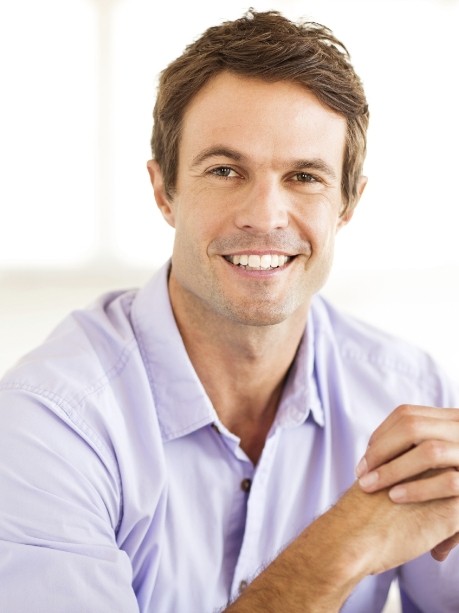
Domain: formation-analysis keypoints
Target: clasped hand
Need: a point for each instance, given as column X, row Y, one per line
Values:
column 415, row 453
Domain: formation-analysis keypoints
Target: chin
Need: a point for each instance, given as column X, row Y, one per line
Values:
column 257, row 322
column 256, row 316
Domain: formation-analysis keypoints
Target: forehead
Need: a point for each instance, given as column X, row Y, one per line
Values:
column 265, row 121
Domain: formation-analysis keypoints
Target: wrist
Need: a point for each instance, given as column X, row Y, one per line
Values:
column 340, row 548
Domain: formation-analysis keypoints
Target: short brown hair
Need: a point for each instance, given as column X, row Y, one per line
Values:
column 268, row 46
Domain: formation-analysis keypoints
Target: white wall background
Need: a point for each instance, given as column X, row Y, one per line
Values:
column 76, row 213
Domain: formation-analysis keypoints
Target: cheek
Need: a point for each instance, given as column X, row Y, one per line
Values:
column 192, row 235
column 203, row 223
column 318, row 225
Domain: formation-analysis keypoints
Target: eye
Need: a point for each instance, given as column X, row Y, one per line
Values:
column 304, row 177
column 225, row 172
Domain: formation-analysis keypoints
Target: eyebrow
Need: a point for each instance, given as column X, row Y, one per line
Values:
column 216, row 151
column 314, row 164
column 303, row 164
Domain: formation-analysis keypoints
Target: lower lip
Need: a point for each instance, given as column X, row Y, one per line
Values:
column 263, row 273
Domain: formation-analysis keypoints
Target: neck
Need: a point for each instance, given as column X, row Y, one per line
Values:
column 242, row 368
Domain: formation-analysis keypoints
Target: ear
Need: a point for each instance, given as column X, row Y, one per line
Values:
column 162, row 200
column 346, row 217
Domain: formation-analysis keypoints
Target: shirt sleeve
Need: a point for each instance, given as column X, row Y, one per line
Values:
column 428, row 586
column 407, row 604
column 59, row 509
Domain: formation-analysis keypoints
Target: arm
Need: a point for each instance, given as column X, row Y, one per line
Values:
column 58, row 512
column 415, row 453
column 362, row 534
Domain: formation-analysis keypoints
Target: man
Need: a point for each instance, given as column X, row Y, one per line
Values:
column 192, row 446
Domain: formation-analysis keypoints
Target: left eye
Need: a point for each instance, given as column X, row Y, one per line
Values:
column 222, row 171
column 304, row 177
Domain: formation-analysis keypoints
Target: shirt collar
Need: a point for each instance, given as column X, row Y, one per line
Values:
column 181, row 401
column 301, row 398
column 182, row 404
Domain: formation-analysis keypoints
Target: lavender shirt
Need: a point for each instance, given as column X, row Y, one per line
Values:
column 121, row 490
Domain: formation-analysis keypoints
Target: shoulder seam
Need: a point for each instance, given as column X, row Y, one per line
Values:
column 424, row 379
column 79, row 423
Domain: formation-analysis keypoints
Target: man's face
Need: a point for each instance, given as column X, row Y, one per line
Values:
column 257, row 202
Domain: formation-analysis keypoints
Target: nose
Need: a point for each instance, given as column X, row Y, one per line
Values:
column 263, row 207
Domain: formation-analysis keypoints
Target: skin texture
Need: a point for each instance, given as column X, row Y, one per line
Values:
column 258, row 203
column 260, row 174
column 415, row 453
column 361, row 535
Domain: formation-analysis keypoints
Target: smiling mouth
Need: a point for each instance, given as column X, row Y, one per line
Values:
column 267, row 261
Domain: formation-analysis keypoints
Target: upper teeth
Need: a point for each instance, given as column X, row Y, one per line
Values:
column 267, row 260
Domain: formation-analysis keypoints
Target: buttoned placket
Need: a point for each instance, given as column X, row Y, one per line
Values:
column 249, row 561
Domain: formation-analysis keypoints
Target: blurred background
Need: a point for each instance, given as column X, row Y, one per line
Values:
column 77, row 216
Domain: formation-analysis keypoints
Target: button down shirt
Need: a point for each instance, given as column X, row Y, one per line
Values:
column 121, row 490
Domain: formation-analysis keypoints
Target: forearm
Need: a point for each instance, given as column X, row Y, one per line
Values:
column 314, row 574
column 363, row 534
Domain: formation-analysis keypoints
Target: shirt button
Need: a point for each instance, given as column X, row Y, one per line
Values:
column 246, row 484
column 243, row 584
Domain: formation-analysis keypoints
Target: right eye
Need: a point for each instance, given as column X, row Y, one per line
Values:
column 225, row 172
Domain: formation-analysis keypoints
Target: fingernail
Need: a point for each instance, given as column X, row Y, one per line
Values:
column 362, row 467
column 369, row 479
column 397, row 493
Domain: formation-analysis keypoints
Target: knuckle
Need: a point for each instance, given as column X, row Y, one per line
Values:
column 412, row 426
column 405, row 409
column 435, row 452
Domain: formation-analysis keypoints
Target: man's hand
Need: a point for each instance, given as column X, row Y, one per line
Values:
column 415, row 453
column 389, row 534
column 363, row 534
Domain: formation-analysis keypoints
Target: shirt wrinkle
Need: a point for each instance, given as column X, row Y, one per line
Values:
column 376, row 353
column 423, row 378
column 111, row 373
column 72, row 414
column 121, row 379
